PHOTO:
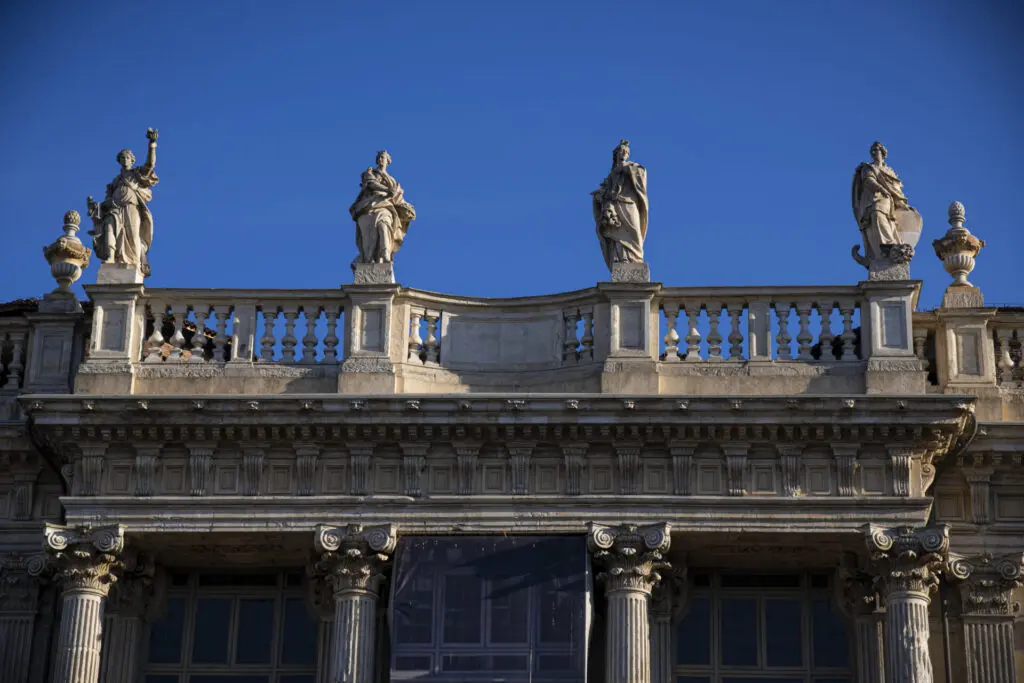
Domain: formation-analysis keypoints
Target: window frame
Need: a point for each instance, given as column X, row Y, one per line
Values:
column 808, row 672
column 280, row 592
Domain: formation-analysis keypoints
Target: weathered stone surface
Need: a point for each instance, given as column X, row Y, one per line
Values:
column 373, row 273
column 631, row 272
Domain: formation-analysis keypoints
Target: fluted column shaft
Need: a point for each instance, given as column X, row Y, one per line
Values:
column 77, row 659
column 661, row 647
column 870, row 649
column 120, row 655
column 628, row 651
column 355, row 622
column 324, row 651
column 906, row 632
column 15, row 647
column 989, row 644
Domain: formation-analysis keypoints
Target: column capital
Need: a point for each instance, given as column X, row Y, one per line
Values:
column 631, row 555
column 987, row 582
column 856, row 593
column 85, row 558
column 354, row 556
column 907, row 559
column 132, row 595
column 20, row 576
column 669, row 598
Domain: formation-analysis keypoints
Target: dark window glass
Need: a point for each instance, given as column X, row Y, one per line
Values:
column 462, row 601
column 509, row 605
column 760, row 581
column 693, row 635
column 738, row 632
column 557, row 622
column 238, row 580
column 228, row 678
column 702, row 580
column 832, row 679
column 783, row 632
column 749, row 679
column 464, row 663
column 692, row 679
column 162, row 679
column 165, row 635
column 255, row 635
column 297, row 678
column 831, row 636
column 411, row 663
column 820, row 581
column 555, row 663
column 510, row 663
column 213, row 620
column 179, row 580
column 414, row 611
column 299, row 635
column 293, row 580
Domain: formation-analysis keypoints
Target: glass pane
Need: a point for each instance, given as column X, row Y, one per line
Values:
column 748, row 679
column 255, row 635
column 738, row 631
column 213, row 619
column 162, row 679
column 831, row 636
column 692, row 679
column 509, row 604
column 693, row 634
column 557, row 614
column 760, row 581
column 300, row 634
column 462, row 601
column 297, row 678
column 832, row 679
column 783, row 632
column 414, row 611
column 165, row 635
column 228, row 678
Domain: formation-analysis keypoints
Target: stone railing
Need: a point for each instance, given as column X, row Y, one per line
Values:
column 268, row 326
column 1008, row 336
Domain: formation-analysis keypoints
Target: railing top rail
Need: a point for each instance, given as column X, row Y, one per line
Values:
column 761, row 293
column 589, row 295
column 240, row 295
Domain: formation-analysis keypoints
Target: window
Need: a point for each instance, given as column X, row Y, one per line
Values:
column 747, row 628
column 481, row 609
column 233, row 628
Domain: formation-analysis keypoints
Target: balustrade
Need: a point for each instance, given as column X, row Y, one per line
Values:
column 13, row 345
column 1008, row 339
column 300, row 328
column 730, row 324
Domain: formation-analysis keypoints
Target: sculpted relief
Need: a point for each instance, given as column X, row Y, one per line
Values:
column 381, row 214
column 620, row 210
column 122, row 224
column 889, row 226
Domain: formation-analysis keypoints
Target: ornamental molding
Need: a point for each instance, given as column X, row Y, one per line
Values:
column 632, row 557
column 354, row 557
column 85, row 558
column 907, row 559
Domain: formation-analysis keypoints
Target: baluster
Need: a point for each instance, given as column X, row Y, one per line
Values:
column 220, row 338
column 331, row 340
column 572, row 342
column 827, row 338
column 846, row 309
column 154, row 353
column 267, row 340
column 289, row 340
column 692, row 335
column 783, row 338
column 588, row 334
column 415, row 340
column 1004, row 335
column 804, row 336
column 714, row 334
column 735, row 310
column 177, row 341
column 309, row 340
column 432, row 348
column 920, row 337
column 199, row 336
column 15, row 368
column 671, row 337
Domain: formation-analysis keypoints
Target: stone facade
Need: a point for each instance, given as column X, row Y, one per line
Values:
column 627, row 483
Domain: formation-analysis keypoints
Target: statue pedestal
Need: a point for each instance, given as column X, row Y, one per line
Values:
column 962, row 296
column 119, row 274
column 893, row 265
column 373, row 273
column 631, row 272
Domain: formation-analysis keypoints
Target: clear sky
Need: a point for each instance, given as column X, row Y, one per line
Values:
column 750, row 116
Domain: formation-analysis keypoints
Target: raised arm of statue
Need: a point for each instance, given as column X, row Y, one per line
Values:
column 151, row 135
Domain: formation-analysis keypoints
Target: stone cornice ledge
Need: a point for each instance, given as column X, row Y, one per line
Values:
column 493, row 514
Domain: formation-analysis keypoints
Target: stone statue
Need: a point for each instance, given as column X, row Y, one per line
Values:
column 122, row 224
column 381, row 214
column 620, row 210
column 890, row 227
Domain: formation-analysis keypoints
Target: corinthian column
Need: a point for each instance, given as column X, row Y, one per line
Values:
column 630, row 557
column 125, row 610
column 667, row 601
column 86, row 562
column 986, row 596
column 354, row 558
column 907, row 561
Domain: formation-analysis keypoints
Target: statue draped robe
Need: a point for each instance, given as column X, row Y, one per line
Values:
column 877, row 197
column 620, row 211
column 382, row 217
column 129, row 219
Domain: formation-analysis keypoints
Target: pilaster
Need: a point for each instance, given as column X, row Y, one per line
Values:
column 355, row 560
column 19, row 598
column 127, row 605
column 118, row 325
column 986, row 586
column 906, row 562
column 373, row 340
column 631, row 558
column 859, row 599
column 667, row 602
column 86, row 562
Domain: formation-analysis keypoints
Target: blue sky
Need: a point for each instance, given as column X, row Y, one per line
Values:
column 501, row 117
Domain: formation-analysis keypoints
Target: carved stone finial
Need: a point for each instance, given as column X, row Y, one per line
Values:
column 958, row 247
column 354, row 556
column 620, row 212
column 67, row 256
column 987, row 583
column 632, row 556
column 907, row 559
column 85, row 558
column 890, row 227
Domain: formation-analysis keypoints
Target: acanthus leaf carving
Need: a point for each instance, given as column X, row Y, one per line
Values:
column 632, row 557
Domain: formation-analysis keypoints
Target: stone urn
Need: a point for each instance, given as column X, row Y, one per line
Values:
column 958, row 247
column 67, row 256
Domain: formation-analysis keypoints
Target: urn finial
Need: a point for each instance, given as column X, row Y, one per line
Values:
column 958, row 247
column 67, row 256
